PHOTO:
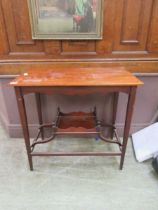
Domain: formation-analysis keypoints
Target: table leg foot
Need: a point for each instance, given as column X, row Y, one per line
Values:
column 30, row 163
column 121, row 162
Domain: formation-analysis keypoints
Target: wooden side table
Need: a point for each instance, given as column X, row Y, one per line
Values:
column 76, row 81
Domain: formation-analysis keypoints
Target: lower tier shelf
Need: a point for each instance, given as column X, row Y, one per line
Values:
column 76, row 123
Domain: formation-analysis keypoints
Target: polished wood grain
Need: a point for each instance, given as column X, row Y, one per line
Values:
column 153, row 34
column 129, row 39
column 76, row 77
column 132, row 24
column 13, row 69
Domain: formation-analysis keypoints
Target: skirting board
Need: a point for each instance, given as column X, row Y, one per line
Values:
column 15, row 131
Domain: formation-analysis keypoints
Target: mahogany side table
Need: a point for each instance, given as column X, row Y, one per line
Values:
column 76, row 81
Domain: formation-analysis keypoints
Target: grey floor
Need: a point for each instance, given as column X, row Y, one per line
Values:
column 74, row 183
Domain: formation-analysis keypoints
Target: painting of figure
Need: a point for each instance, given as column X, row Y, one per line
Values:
column 67, row 17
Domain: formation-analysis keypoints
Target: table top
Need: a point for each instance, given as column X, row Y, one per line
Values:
column 76, row 76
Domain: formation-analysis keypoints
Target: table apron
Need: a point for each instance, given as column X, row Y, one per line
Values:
column 75, row 90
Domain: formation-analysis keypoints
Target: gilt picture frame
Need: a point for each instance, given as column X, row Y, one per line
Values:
column 66, row 19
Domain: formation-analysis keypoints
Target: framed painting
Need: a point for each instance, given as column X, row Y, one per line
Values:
column 66, row 19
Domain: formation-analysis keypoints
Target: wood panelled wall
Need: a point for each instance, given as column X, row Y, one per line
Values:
column 130, row 38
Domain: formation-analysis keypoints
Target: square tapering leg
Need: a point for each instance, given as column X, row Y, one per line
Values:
column 24, row 123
